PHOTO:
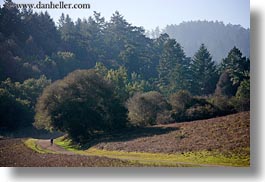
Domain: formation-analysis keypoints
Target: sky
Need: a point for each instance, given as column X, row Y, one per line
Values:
column 152, row 13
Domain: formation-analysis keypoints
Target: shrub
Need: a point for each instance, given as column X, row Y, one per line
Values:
column 180, row 100
column 224, row 104
column 243, row 96
column 200, row 112
column 224, row 86
column 144, row 108
column 81, row 104
column 185, row 107
column 164, row 117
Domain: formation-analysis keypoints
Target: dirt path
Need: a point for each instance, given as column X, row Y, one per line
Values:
column 45, row 144
column 14, row 153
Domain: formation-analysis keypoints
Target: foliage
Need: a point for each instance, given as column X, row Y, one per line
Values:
column 186, row 107
column 18, row 101
column 200, row 112
column 144, row 108
column 243, row 96
column 14, row 113
column 173, row 68
column 81, row 104
column 225, row 87
column 180, row 100
column 236, row 65
column 204, row 72
column 29, row 90
column 125, row 85
column 226, row 105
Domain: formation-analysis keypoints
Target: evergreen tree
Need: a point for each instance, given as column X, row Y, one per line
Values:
column 236, row 65
column 204, row 72
column 173, row 68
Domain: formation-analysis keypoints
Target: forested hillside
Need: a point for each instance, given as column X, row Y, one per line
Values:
column 218, row 37
column 126, row 79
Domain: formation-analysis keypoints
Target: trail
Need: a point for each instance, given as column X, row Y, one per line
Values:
column 45, row 144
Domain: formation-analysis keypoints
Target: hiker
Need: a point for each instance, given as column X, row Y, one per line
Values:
column 51, row 141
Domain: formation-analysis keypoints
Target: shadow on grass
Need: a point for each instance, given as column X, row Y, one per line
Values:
column 127, row 135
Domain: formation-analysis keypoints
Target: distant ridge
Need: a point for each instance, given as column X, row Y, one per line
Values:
column 218, row 37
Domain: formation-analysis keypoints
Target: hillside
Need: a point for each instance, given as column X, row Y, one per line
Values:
column 217, row 37
column 225, row 134
column 222, row 141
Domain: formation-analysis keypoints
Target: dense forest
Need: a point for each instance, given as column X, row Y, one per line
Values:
column 218, row 37
column 92, row 75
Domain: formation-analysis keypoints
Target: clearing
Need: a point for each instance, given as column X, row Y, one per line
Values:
column 222, row 141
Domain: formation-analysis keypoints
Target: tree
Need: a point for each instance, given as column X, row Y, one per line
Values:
column 236, row 65
column 119, row 78
column 81, row 104
column 10, row 21
column 17, row 101
column 218, row 37
column 225, row 86
column 28, row 91
column 145, row 108
column 14, row 112
column 204, row 72
column 243, row 96
column 125, row 85
column 32, row 88
column 173, row 68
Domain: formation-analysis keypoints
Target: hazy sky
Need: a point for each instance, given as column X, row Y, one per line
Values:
column 152, row 13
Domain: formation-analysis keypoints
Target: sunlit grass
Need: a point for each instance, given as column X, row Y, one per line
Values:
column 66, row 144
column 201, row 158
column 31, row 143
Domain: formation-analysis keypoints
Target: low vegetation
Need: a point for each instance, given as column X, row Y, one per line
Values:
column 219, row 141
column 201, row 158
column 31, row 143
column 145, row 108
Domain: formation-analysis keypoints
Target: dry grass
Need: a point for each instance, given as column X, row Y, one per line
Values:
column 222, row 141
column 226, row 134
column 13, row 153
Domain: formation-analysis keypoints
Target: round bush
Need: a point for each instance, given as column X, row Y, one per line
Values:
column 145, row 107
column 81, row 104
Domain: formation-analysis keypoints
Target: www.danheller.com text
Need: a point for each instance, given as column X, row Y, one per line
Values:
column 53, row 5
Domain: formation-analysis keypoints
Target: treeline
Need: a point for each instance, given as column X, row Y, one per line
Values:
column 130, row 78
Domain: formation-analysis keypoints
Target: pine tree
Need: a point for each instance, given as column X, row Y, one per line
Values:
column 236, row 65
column 204, row 72
column 173, row 68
